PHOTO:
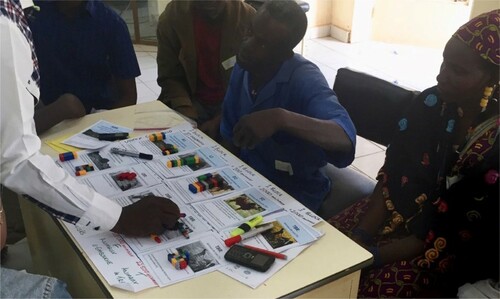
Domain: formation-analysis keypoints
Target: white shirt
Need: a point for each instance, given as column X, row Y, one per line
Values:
column 22, row 167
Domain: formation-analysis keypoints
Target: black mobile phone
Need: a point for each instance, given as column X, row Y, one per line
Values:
column 249, row 258
column 112, row 136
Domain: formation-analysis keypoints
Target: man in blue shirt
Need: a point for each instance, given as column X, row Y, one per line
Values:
column 279, row 110
column 85, row 53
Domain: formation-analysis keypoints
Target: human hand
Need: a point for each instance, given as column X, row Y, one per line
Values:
column 150, row 215
column 211, row 127
column 188, row 111
column 255, row 127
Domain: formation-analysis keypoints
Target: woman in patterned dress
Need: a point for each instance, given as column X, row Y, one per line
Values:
column 432, row 222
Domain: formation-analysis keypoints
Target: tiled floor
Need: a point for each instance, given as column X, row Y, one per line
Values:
column 412, row 67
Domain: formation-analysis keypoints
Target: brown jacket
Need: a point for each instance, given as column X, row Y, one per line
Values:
column 177, row 71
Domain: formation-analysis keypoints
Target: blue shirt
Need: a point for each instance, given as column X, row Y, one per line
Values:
column 300, row 87
column 81, row 56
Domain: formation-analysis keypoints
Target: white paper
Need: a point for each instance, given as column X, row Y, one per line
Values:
column 206, row 255
column 82, row 140
column 231, row 210
column 135, row 264
column 231, row 183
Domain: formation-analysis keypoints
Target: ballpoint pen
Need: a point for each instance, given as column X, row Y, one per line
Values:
column 125, row 152
column 277, row 255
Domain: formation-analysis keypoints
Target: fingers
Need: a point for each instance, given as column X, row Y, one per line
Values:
column 242, row 135
column 244, row 139
column 169, row 221
column 188, row 111
column 166, row 211
column 250, row 130
column 211, row 128
column 149, row 215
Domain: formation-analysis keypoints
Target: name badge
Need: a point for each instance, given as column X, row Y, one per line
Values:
column 229, row 63
column 283, row 166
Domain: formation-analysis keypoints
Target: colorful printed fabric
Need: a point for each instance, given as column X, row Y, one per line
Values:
column 13, row 11
column 482, row 34
column 441, row 195
column 402, row 279
column 448, row 198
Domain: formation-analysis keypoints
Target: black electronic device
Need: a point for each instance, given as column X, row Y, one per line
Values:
column 112, row 136
column 249, row 258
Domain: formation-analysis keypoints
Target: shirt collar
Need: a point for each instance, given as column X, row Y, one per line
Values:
column 287, row 68
column 26, row 3
column 91, row 7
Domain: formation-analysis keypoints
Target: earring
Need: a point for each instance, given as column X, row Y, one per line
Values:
column 486, row 96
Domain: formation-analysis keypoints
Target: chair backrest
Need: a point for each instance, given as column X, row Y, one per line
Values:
column 375, row 105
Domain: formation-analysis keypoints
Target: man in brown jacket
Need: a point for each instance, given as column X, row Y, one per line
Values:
column 197, row 44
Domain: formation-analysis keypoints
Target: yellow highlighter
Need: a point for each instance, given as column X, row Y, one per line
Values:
column 245, row 227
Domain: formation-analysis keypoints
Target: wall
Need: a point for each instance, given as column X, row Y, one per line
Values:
column 342, row 14
column 342, row 19
column 318, row 18
column 362, row 21
column 481, row 6
column 427, row 23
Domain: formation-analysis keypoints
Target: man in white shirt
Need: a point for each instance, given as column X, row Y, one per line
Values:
column 25, row 170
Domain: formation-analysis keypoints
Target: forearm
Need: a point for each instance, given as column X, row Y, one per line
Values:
column 400, row 249
column 67, row 106
column 48, row 116
column 324, row 133
column 172, row 77
column 376, row 213
column 55, row 188
column 126, row 91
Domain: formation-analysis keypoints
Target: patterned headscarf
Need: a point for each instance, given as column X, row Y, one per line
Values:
column 482, row 34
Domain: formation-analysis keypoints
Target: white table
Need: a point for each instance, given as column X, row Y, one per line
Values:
column 328, row 268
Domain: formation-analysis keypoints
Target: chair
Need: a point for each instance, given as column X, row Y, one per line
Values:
column 375, row 107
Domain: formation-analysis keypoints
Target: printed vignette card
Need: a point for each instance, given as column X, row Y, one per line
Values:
column 87, row 138
column 287, row 232
column 186, row 163
column 117, row 180
column 206, row 254
column 117, row 262
column 233, row 209
column 98, row 159
column 204, row 186
column 182, row 138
